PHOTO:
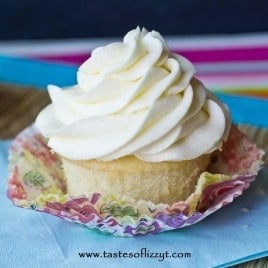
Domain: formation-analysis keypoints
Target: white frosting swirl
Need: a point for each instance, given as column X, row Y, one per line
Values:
column 134, row 98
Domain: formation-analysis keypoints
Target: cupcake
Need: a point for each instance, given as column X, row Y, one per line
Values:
column 138, row 125
column 139, row 146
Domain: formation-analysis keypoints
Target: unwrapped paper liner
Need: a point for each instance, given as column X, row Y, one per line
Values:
column 36, row 181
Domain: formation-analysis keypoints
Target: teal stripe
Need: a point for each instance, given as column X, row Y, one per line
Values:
column 247, row 110
column 35, row 73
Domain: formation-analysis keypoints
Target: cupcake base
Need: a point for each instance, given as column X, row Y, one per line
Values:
column 164, row 182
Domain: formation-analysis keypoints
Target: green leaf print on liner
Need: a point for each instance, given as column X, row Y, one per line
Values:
column 34, row 179
column 116, row 210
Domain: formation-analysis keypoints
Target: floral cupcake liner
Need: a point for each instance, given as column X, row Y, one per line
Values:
column 36, row 181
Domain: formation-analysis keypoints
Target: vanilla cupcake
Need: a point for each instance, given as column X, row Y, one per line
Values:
column 137, row 125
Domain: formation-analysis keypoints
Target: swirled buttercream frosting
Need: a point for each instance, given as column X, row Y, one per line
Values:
column 134, row 98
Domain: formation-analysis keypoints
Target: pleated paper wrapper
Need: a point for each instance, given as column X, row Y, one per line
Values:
column 36, row 182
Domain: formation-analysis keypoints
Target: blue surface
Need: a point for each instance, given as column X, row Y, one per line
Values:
column 234, row 234
column 231, row 235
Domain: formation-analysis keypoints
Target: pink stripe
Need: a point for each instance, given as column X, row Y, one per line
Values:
column 194, row 55
column 225, row 55
column 76, row 59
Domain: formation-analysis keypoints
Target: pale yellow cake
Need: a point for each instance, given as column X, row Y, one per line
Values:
column 164, row 182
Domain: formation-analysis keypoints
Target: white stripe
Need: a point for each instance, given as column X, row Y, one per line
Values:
column 50, row 48
column 234, row 82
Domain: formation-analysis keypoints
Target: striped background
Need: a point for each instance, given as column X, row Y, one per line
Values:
column 235, row 64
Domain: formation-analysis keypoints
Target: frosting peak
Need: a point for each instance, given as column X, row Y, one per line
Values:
column 134, row 98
